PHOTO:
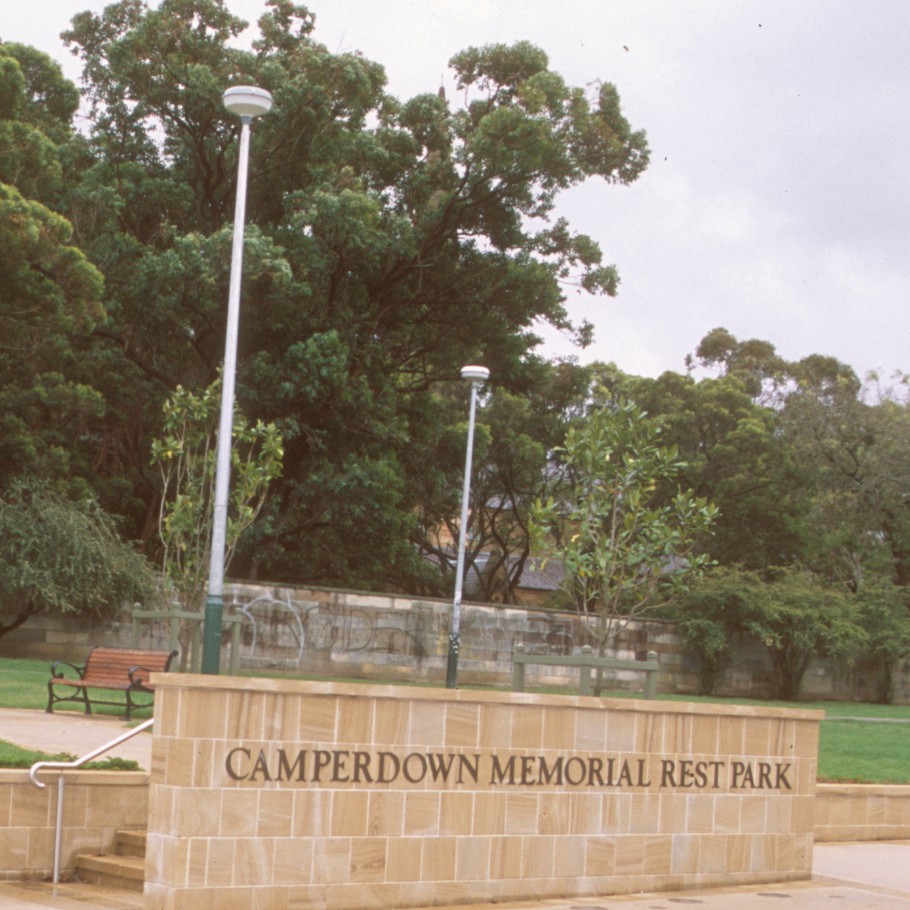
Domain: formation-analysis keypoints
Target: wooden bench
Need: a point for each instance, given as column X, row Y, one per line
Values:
column 586, row 662
column 113, row 669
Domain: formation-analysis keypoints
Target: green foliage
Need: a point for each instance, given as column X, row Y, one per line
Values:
column 755, row 363
column 856, row 466
column 390, row 242
column 735, row 455
column 513, row 438
column 35, row 91
column 37, row 105
column 186, row 457
column 48, row 284
column 12, row 756
column 511, row 459
column 710, row 615
column 50, row 294
column 884, row 616
column 795, row 615
column 58, row 554
column 626, row 537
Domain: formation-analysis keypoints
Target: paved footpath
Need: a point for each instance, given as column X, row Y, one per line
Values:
column 870, row 876
column 78, row 734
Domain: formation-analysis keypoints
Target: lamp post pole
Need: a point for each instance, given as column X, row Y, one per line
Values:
column 247, row 102
column 477, row 376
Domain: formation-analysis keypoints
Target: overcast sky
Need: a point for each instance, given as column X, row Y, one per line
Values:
column 777, row 202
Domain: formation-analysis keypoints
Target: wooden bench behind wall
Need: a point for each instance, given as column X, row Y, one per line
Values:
column 586, row 661
column 110, row 669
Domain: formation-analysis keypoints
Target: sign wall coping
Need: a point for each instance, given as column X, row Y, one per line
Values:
column 469, row 696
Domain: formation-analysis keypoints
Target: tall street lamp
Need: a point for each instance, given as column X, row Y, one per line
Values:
column 477, row 376
column 247, row 102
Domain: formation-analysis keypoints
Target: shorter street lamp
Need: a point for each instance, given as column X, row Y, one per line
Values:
column 247, row 102
column 477, row 376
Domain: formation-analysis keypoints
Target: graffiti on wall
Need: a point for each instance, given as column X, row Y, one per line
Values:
column 288, row 632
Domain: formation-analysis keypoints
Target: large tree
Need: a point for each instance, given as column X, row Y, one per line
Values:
column 851, row 444
column 388, row 243
column 59, row 549
column 50, row 295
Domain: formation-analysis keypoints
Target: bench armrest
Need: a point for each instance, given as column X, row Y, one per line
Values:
column 60, row 674
column 136, row 680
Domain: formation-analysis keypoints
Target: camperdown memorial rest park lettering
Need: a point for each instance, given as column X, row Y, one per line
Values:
column 383, row 768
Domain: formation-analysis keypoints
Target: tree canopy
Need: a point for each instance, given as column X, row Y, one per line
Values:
column 65, row 555
column 389, row 241
column 627, row 534
column 50, row 293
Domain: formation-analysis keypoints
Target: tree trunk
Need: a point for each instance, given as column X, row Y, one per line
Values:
column 18, row 620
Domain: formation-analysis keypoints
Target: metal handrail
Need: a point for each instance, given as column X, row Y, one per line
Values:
column 62, row 766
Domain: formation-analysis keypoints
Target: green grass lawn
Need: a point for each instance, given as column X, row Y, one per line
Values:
column 12, row 756
column 865, row 752
column 23, row 684
column 860, row 742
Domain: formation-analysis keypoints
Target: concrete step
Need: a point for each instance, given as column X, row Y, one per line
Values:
column 126, row 872
column 131, row 842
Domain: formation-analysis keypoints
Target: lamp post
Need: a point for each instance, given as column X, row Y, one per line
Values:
column 477, row 376
column 247, row 102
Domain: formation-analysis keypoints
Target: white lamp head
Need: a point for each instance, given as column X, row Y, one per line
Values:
column 475, row 373
column 247, row 101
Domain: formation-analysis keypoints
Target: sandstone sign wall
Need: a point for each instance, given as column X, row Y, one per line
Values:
column 279, row 793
